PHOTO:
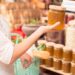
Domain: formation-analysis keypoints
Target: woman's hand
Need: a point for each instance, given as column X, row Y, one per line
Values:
column 26, row 60
column 45, row 29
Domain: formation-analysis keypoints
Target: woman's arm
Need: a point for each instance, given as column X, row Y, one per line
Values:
column 22, row 47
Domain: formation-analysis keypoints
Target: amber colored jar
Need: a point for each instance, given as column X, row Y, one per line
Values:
column 42, row 61
column 49, row 62
column 56, row 13
column 57, row 64
column 50, row 48
column 58, row 51
column 66, row 67
column 67, row 54
column 73, row 68
column 40, row 43
column 73, row 56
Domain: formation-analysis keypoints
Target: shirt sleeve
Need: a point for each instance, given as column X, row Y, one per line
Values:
column 6, row 49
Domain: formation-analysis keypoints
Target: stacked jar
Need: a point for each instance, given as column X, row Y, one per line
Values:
column 42, row 46
column 50, row 49
column 67, row 58
column 73, row 63
column 58, row 53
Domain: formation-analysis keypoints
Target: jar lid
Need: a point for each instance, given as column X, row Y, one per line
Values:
column 67, row 48
column 71, row 23
column 58, row 46
column 55, row 7
column 42, row 42
column 50, row 44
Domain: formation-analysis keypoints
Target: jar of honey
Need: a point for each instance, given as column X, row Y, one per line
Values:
column 58, row 51
column 73, row 68
column 49, row 62
column 42, row 46
column 57, row 64
column 50, row 48
column 73, row 56
column 67, row 54
column 56, row 13
column 66, row 67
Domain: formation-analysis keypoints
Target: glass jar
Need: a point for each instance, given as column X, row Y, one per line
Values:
column 66, row 67
column 73, row 68
column 50, row 48
column 56, row 13
column 57, row 64
column 49, row 62
column 58, row 51
column 67, row 54
column 73, row 56
column 41, row 46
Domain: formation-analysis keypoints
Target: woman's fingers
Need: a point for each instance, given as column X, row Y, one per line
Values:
column 54, row 25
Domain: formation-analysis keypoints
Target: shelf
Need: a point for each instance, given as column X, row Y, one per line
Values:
column 53, row 70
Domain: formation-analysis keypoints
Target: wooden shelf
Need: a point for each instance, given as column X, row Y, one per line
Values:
column 53, row 70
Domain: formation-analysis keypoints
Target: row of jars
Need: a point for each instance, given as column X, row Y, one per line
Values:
column 61, row 57
column 65, row 67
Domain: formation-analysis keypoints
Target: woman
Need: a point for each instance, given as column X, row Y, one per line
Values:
column 9, row 53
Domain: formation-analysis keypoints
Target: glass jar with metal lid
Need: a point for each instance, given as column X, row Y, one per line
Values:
column 56, row 13
column 66, row 67
column 58, row 51
column 50, row 48
column 67, row 54
column 57, row 64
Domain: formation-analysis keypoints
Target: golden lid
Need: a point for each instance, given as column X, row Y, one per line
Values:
column 50, row 44
column 42, row 42
column 58, row 46
column 55, row 7
column 65, row 48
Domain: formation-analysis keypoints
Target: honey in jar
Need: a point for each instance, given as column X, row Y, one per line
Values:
column 73, row 68
column 42, row 61
column 42, row 46
column 67, row 54
column 57, row 64
column 50, row 48
column 56, row 13
column 66, row 67
column 49, row 62
column 73, row 56
column 58, row 51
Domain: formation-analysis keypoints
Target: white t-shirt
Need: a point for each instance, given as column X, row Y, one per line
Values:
column 6, row 52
